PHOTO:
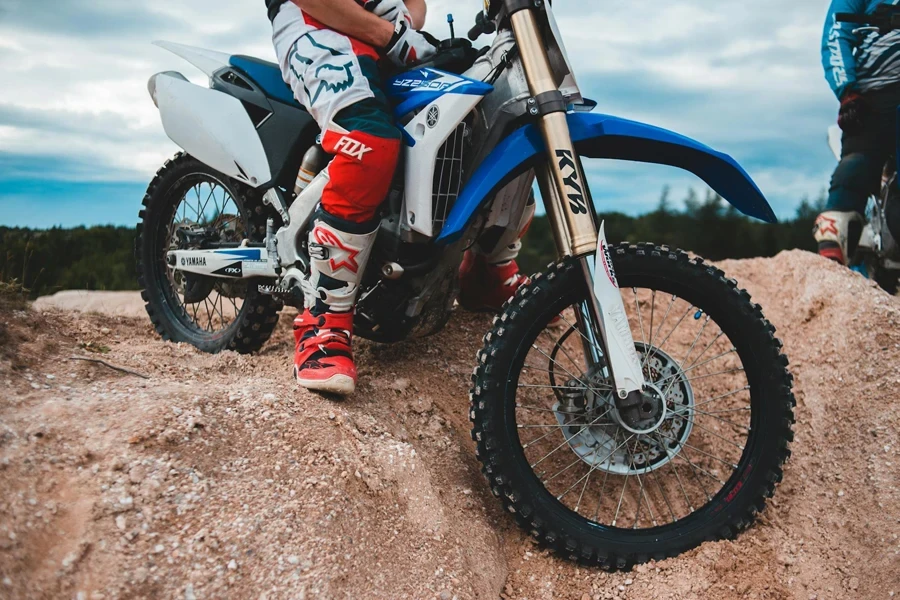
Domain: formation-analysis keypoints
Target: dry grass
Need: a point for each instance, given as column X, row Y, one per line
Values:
column 13, row 295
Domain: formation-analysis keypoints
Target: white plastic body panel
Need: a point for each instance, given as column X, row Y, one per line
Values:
column 421, row 158
column 626, row 366
column 208, row 61
column 214, row 128
column 835, row 137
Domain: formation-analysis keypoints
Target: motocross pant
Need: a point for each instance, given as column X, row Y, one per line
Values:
column 865, row 150
column 336, row 78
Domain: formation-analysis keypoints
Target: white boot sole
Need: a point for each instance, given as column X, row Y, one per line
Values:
column 336, row 384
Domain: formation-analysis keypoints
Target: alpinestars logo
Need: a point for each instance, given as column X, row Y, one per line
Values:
column 328, row 78
column 347, row 255
column 352, row 148
column 836, row 59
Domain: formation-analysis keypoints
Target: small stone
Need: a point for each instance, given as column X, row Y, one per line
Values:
column 137, row 473
column 105, row 330
column 51, row 377
column 400, row 385
column 293, row 560
column 7, row 581
column 232, row 565
column 585, row 596
column 189, row 592
column 445, row 595
column 121, row 523
column 840, row 493
column 629, row 581
column 158, row 548
column 854, row 583
column 81, row 596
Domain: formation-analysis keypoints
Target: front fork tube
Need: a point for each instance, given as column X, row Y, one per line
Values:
column 607, row 336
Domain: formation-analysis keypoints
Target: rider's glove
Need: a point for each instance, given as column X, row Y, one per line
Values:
column 853, row 112
column 409, row 46
column 389, row 10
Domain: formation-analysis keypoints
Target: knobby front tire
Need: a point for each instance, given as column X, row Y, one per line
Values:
column 544, row 449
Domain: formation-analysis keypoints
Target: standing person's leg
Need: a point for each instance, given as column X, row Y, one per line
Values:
column 858, row 176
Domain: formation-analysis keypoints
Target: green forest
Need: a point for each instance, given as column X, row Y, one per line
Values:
column 101, row 258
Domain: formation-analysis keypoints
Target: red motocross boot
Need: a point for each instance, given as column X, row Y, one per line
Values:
column 323, row 358
column 485, row 287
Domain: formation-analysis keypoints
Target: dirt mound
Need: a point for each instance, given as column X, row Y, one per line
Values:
column 116, row 304
column 217, row 477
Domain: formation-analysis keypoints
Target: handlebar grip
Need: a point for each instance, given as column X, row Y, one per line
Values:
column 854, row 18
column 475, row 32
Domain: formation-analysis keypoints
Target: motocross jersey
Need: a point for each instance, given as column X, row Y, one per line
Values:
column 861, row 61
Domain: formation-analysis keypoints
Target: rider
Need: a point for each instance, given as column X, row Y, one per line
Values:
column 328, row 51
column 863, row 68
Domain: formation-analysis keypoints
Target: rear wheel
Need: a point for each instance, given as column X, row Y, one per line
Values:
column 188, row 205
column 573, row 472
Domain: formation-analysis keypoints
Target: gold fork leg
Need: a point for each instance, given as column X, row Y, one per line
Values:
column 566, row 195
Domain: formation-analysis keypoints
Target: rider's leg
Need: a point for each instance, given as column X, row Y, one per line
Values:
column 489, row 277
column 366, row 146
column 336, row 78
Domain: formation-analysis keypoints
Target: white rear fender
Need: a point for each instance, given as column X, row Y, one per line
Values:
column 213, row 127
column 208, row 61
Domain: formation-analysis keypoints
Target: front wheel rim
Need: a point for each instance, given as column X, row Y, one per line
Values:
column 696, row 455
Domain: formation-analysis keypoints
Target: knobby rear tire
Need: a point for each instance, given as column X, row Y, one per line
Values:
column 259, row 313
column 503, row 460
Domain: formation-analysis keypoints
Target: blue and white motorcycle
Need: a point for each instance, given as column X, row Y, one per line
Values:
column 628, row 404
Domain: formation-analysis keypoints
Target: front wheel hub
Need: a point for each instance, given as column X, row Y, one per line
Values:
column 647, row 413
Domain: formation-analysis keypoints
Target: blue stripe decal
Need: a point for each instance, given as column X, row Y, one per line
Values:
column 604, row 136
column 243, row 253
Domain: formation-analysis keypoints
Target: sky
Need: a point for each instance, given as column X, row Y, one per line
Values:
column 80, row 138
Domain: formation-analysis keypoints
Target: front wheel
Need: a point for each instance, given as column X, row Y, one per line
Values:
column 576, row 476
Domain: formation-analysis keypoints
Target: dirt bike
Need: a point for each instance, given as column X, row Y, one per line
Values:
column 877, row 254
column 629, row 403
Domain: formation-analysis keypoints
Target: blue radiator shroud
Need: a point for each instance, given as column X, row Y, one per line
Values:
column 604, row 136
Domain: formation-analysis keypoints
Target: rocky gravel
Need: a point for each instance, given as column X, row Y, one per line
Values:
column 218, row 478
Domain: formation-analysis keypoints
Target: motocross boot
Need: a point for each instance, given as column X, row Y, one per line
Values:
column 323, row 333
column 486, row 282
column 486, row 287
column 837, row 234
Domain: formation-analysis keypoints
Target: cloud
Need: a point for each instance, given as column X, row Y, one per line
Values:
column 744, row 78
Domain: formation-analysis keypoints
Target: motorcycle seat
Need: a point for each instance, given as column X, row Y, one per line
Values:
column 267, row 75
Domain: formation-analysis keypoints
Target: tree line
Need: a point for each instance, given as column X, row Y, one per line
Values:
column 101, row 258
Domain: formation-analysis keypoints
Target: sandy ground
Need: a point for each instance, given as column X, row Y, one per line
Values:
column 218, row 478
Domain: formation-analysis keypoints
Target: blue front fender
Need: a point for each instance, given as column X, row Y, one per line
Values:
column 603, row 136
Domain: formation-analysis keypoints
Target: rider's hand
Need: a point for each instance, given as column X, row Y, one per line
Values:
column 389, row 10
column 853, row 112
column 408, row 46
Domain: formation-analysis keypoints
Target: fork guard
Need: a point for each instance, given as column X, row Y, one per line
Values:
column 605, row 136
